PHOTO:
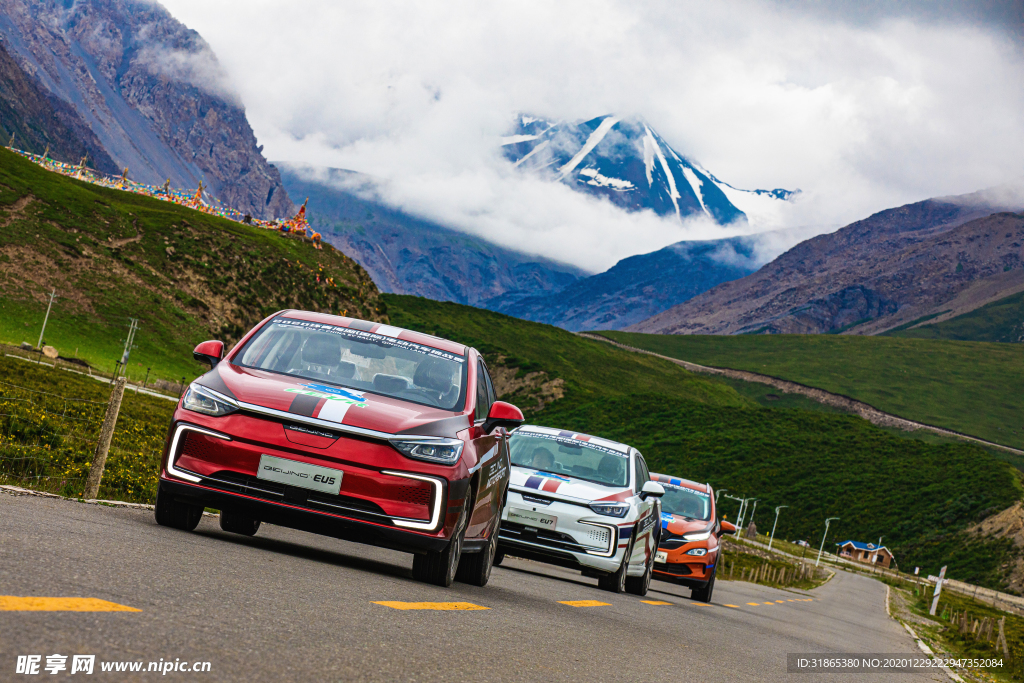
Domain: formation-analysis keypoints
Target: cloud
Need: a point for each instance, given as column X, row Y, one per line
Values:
column 862, row 110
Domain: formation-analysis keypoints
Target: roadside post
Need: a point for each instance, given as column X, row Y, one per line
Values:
column 46, row 319
column 774, row 525
column 823, row 536
column 938, row 589
column 99, row 459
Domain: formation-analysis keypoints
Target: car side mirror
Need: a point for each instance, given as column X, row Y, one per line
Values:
column 728, row 527
column 652, row 489
column 209, row 352
column 504, row 415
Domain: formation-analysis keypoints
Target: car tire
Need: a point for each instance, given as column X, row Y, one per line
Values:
column 440, row 567
column 639, row 585
column 239, row 523
column 475, row 568
column 616, row 581
column 703, row 594
column 499, row 556
column 175, row 514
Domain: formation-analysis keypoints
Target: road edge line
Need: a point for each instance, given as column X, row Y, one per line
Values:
column 19, row 491
column 928, row 651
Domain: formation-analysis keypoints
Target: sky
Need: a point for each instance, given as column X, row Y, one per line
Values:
column 862, row 105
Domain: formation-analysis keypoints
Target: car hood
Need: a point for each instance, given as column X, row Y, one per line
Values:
column 350, row 407
column 563, row 486
column 675, row 524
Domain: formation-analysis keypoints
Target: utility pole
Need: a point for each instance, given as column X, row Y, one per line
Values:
column 827, row 522
column 774, row 525
column 53, row 295
column 123, row 363
column 753, row 512
column 739, row 515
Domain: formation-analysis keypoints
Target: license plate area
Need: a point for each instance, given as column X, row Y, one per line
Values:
column 300, row 474
column 531, row 518
column 661, row 556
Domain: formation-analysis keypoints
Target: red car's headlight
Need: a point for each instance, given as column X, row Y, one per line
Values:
column 199, row 399
column 443, row 451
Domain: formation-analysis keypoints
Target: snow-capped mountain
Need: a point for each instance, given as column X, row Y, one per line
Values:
column 626, row 161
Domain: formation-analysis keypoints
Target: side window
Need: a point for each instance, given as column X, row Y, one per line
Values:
column 491, row 396
column 482, row 404
column 642, row 474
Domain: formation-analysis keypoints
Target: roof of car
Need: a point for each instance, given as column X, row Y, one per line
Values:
column 596, row 440
column 678, row 481
column 377, row 328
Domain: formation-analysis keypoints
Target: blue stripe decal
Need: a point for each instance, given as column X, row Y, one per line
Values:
column 677, row 482
column 625, row 532
column 534, row 482
column 567, row 435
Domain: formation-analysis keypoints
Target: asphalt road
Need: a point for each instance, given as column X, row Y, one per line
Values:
column 287, row 605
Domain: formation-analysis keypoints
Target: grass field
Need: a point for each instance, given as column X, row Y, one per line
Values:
column 186, row 275
column 999, row 321
column 969, row 387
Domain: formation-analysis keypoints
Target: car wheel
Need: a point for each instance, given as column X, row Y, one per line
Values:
column 439, row 568
column 175, row 514
column 499, row 557
column 475, row 569
column 704, row 594
column 238, row 523
column 639, row 585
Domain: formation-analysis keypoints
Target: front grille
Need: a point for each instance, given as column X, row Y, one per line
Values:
column 670, row 541
column 235, row 482
column 553, row 539
column 674, row 569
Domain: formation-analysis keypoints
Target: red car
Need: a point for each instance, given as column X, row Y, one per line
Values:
column 689, row 550
column 350, row 429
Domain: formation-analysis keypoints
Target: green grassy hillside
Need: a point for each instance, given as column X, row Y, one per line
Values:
column 969, row 387
column 999, row 321
column 589, row 369
column 188, row 276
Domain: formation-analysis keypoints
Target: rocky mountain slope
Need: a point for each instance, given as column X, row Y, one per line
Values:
column 635, row 288
column 886, row 270
column 37, row 119
column 150, row 90
column 408, row 255
column 625, row 161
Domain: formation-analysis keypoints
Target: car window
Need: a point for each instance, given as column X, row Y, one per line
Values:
column 686, row 502
column 339, row 356
column 491, row 396
column 642, row 474
column 569, row 457
column 482, row 403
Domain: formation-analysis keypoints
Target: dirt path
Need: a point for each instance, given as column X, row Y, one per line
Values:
column 868, row 412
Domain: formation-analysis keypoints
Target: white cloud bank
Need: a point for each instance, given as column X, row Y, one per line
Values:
column 860, row 115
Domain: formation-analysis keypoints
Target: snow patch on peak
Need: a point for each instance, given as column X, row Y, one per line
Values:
column 592, row 142
column 598, row 180
column 696, row 184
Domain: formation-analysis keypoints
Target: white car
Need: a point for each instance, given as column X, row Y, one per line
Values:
column 582, row 502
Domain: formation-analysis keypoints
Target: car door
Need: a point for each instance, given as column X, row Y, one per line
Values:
column 648, row 517
column 492, row 453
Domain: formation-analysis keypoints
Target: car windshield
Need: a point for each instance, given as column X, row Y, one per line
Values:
column 357, row 359
column 570, row 458
column 686, row 502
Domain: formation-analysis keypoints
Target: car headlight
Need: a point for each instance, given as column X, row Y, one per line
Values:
column 610, row 509
column 702, row 536
column 444, row 451
column 699, row 552
column 199, row 399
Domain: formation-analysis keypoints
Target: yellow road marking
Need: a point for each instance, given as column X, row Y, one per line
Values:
column 10, row 603
column 438, row 606
column 753, row 604
column 770, row 603
column 701, row 604
column 780, row 601
column 733, row 606
column 655, row 602
column 789, row 601
column 585, row 603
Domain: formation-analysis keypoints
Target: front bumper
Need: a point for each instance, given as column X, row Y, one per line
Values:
column 581, row 538
column 304, row 519
column 687, row 569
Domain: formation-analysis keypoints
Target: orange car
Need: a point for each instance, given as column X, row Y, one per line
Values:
column 689, row 549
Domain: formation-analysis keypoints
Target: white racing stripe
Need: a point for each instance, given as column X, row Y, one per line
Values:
column 334, row 411
column 388, row 331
